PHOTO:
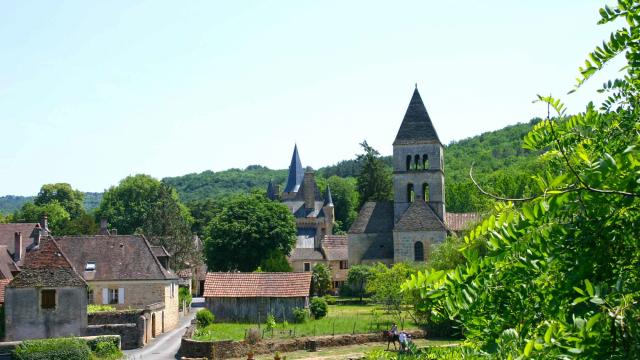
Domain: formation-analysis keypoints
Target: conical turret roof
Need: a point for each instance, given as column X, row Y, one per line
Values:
column 416, row 126
column 296, row 172
column 271, row 191
column 327, row 197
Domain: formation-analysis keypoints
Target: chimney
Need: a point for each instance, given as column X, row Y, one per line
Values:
column 36, row 239
column 309, row 189
column 103, row 227
column 44, row 225
column 17, row 245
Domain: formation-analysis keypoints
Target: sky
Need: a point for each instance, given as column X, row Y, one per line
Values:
column 91, row 92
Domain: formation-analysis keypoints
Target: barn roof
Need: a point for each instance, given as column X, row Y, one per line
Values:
column 266, row 284
column 461, row 221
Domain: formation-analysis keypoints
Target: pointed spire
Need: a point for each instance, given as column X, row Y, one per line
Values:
column 328, row 201
column 296, row 172
column 271, row 191
column 416, row 126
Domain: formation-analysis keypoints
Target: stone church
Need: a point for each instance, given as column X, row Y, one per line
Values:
column 404, row 229
column 315, row 218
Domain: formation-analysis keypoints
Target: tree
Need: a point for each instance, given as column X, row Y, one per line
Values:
column 357, row 278
column 63, row 194
column 248, row 229
column 374, row 179
column 275, row 262
column 320, row 279
column 127, row 205
column 560, row 277
column 384, row 284
column 167, row 223
column 344, row 192
column 57, row 216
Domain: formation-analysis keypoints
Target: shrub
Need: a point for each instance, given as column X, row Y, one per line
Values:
column 331, row 300
column 184, row 295
column 204, row 318
column 94, row 308
column 270, row 324
column 253, row 336
column 107, row 350
column 319, row 308
column 61, row 348
column 112, row 339
column 300, row 315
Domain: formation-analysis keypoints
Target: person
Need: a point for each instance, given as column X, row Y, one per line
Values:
column 403, row 341
column 394, row 329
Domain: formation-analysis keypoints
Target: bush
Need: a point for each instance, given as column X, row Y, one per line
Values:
column 184, row 295
column 253, row 336
column 204, row 318
column 319, row 308
column 331, row 300
column 112, row 339
column 270, row 324
column 107, row 350
column 300, row 315
column 61, row 348
column 94, row 308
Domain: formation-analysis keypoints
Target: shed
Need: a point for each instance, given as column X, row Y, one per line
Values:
column 250, row 297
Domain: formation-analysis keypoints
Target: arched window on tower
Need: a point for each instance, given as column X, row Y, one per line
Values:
column 417, row 162
column 408, row 162
column 418, row 251
column 411, row 194
column 425, row 161
column 425, row 192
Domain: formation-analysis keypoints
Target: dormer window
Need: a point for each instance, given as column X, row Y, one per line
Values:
column 91, row 266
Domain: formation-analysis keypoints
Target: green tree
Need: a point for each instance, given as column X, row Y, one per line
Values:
column 275, row 262
column 127, row 205
column 248, row 229
column 384, row 283
column 357, row 278
column 320, row 279
column 167, row 223
column 57, row 216
column 62, row 193
column 560, row 278
column 374, row 179
column 345, row 200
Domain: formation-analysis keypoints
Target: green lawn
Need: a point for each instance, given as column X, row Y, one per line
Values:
column 342, row 319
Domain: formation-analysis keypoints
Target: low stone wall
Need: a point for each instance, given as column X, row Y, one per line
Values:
column 190, row 348
column 131, row 336
column 114, row 317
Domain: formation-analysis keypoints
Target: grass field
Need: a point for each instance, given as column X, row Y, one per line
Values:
column 341, row 319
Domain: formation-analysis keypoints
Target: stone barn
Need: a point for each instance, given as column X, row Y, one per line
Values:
column 250, row 297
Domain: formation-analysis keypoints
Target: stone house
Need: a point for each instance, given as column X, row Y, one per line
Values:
column 315, row 219
column 47, row 299
column 406, row 228
column 251, row 297
column 121, row 270
column 19, row 238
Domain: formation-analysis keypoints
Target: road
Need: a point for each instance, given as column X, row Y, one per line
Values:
column 166, row 346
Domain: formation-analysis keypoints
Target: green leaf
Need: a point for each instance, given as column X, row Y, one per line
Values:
column 587, row 283
column 528, row 348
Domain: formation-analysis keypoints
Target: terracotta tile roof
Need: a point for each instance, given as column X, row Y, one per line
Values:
column 47, row 266
column 336, row 247
column 461, row 221
column 374, row 217
column 419, row 217
column 3, row 283
column 117, row 257
column 257, row 284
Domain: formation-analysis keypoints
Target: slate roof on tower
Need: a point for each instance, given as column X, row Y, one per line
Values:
column 328, row 200
column 419, row 217
column 416, row 126
column 296, row 172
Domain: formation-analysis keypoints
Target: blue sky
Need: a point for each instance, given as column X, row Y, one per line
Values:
column 91, row 92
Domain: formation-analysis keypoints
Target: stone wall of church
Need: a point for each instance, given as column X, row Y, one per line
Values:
column 360, row 243
column 404, row 243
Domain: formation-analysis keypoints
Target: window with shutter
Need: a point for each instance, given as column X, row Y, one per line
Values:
column 48, row 299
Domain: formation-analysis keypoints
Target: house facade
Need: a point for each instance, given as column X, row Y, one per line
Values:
column 406, row 228
column 251, row 297
column 122, row 271
column 47, row 299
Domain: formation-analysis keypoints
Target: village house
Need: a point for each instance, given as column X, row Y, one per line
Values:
column 122, row 271
column 406, row 228
column 19, row 238
column 47, row 299
column 251, row 297
column 315, row 218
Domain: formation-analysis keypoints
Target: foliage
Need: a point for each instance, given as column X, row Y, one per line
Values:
column 384, row 284
column 204, row 318
column 246, row 230
column 60, row 348
column 428, row 353
column 56, row 214
column 105, row 347
column 275, row 262
column 318, row 307
column 320, row 279
column 447, row 255
column 94, row 308
column 253, row 336
column 184, row 296
column 374, row 178
column 560, row 276
column 301, row 315
column 344, row 192
column 270, row 322
column 63, row 194
column 357, row 279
